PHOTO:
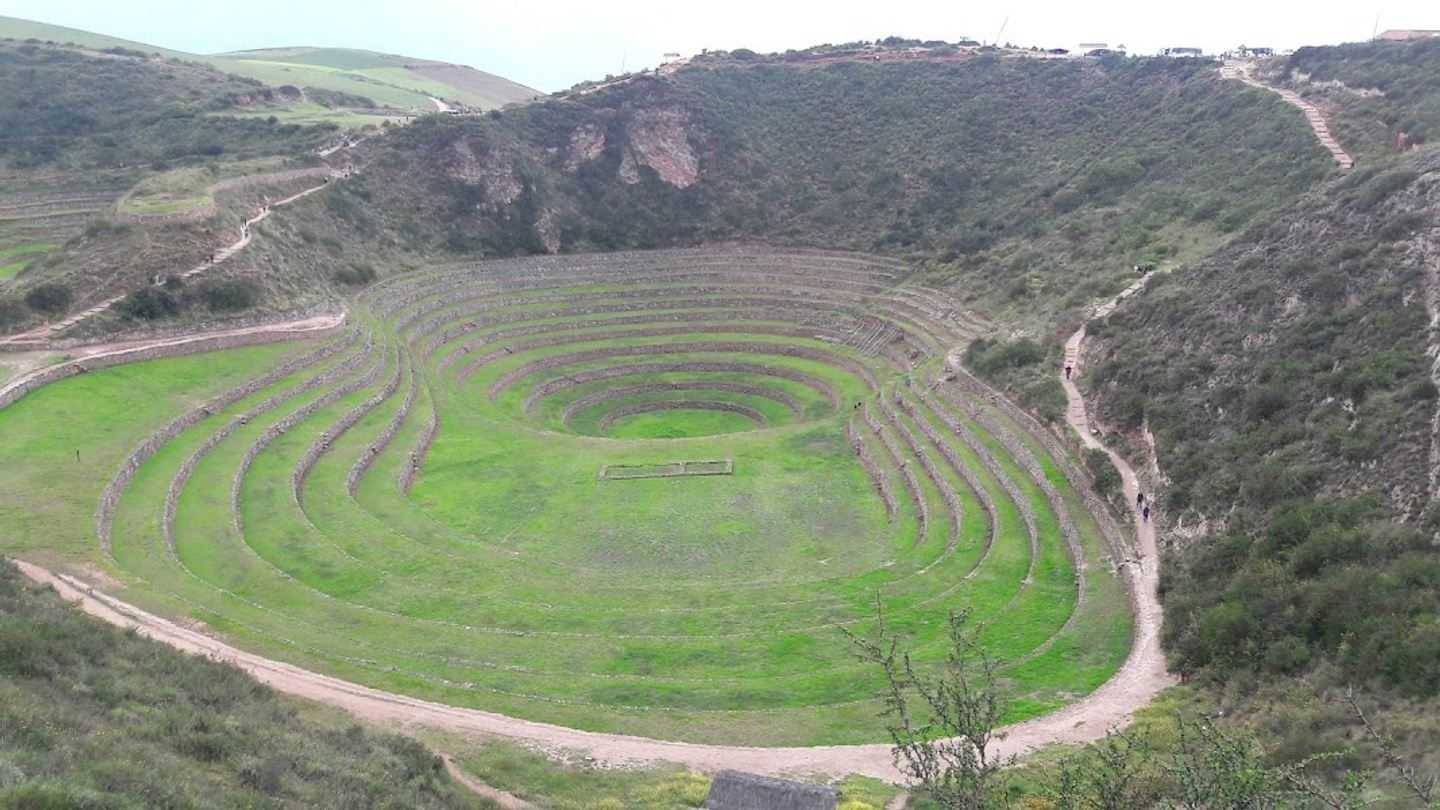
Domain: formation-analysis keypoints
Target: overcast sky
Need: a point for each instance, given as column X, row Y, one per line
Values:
column 551, row 44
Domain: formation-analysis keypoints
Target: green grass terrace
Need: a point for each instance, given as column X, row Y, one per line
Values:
column 421, row 503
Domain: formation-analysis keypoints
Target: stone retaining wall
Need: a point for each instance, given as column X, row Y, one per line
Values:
column 327, row 437
column 110, row 496
column 362, row 464
column 907, row 476
column 202, row 344
column 551, row 387
column 689, row 347
column 681, row 404
column 876, row 475
column 691, row 385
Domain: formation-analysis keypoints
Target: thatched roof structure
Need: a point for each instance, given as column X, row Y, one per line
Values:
column 733, row 790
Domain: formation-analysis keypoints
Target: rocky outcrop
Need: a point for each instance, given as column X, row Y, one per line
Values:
column 660, row 139
column 493, row 173
column 586, row 144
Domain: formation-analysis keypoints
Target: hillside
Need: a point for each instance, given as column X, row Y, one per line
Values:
column 111, row 166
column 392, row 81
column 333, row 78
column 1031, row 190
column 196, row 733
column 1382, row 97
column 1288, row 385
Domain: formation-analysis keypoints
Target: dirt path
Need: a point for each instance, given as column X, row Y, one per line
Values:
column 28, row 365
column 1236, row 69
column 509, row 801
column 1138, row 680
column 36, row 337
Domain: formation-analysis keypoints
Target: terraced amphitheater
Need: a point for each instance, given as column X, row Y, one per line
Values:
column 638, row 493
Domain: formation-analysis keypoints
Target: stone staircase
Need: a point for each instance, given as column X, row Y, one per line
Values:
column 1240, row 71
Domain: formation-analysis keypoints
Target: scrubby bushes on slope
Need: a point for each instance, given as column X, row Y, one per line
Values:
column 91, row 716
column 1287, row 382
column 1034, row 183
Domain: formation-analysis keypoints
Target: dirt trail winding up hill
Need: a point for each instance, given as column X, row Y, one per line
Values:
column 1236, row 69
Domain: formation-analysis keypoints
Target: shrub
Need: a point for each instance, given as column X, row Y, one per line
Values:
column 355, row 275
column 991, row 357
column 12, row 312
column 1107, row 478
column 228, row 295
column 50, row 298
column 149, row 303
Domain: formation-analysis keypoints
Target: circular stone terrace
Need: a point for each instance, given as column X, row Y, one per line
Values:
column 640, row 493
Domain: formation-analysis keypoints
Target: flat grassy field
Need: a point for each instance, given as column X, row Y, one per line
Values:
column 419, row 506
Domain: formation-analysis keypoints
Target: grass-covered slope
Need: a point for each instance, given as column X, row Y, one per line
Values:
column 116, row 168
column 339, row 77
column 91, row 716
column 390, row 80
column 1380, row 96
column 65, row 108
column 426, row 505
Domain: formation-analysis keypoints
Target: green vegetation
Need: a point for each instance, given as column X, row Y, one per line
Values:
column 679, row 423
column 347, row 77
column 1319, row 580
column 572, row 786
column 512, row 579
column 860, row 156
column 353, row 79
column 1023, row 366
column 50, row 298
column 60, row 106
column 1388, row 88
column 92, row 716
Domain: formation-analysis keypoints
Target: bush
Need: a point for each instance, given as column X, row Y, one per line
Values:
column 149, row 303
column 1107, row 478
column 12, row 312
column 228, row 295
column 355, row 275
column 50, row 298
column 989, row 357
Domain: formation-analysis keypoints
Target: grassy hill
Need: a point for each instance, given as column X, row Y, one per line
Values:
column 394, row 81
column 195, row 733
column 345, row 77
column 79, row 129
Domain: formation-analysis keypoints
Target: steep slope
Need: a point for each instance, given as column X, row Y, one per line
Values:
column 1030, row 186
column 1382, row 97
column 1289, row 385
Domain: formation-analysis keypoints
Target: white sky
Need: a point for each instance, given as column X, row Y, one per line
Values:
column 551, row 44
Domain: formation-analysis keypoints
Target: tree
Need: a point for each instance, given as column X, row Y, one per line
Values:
column 943, row 723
